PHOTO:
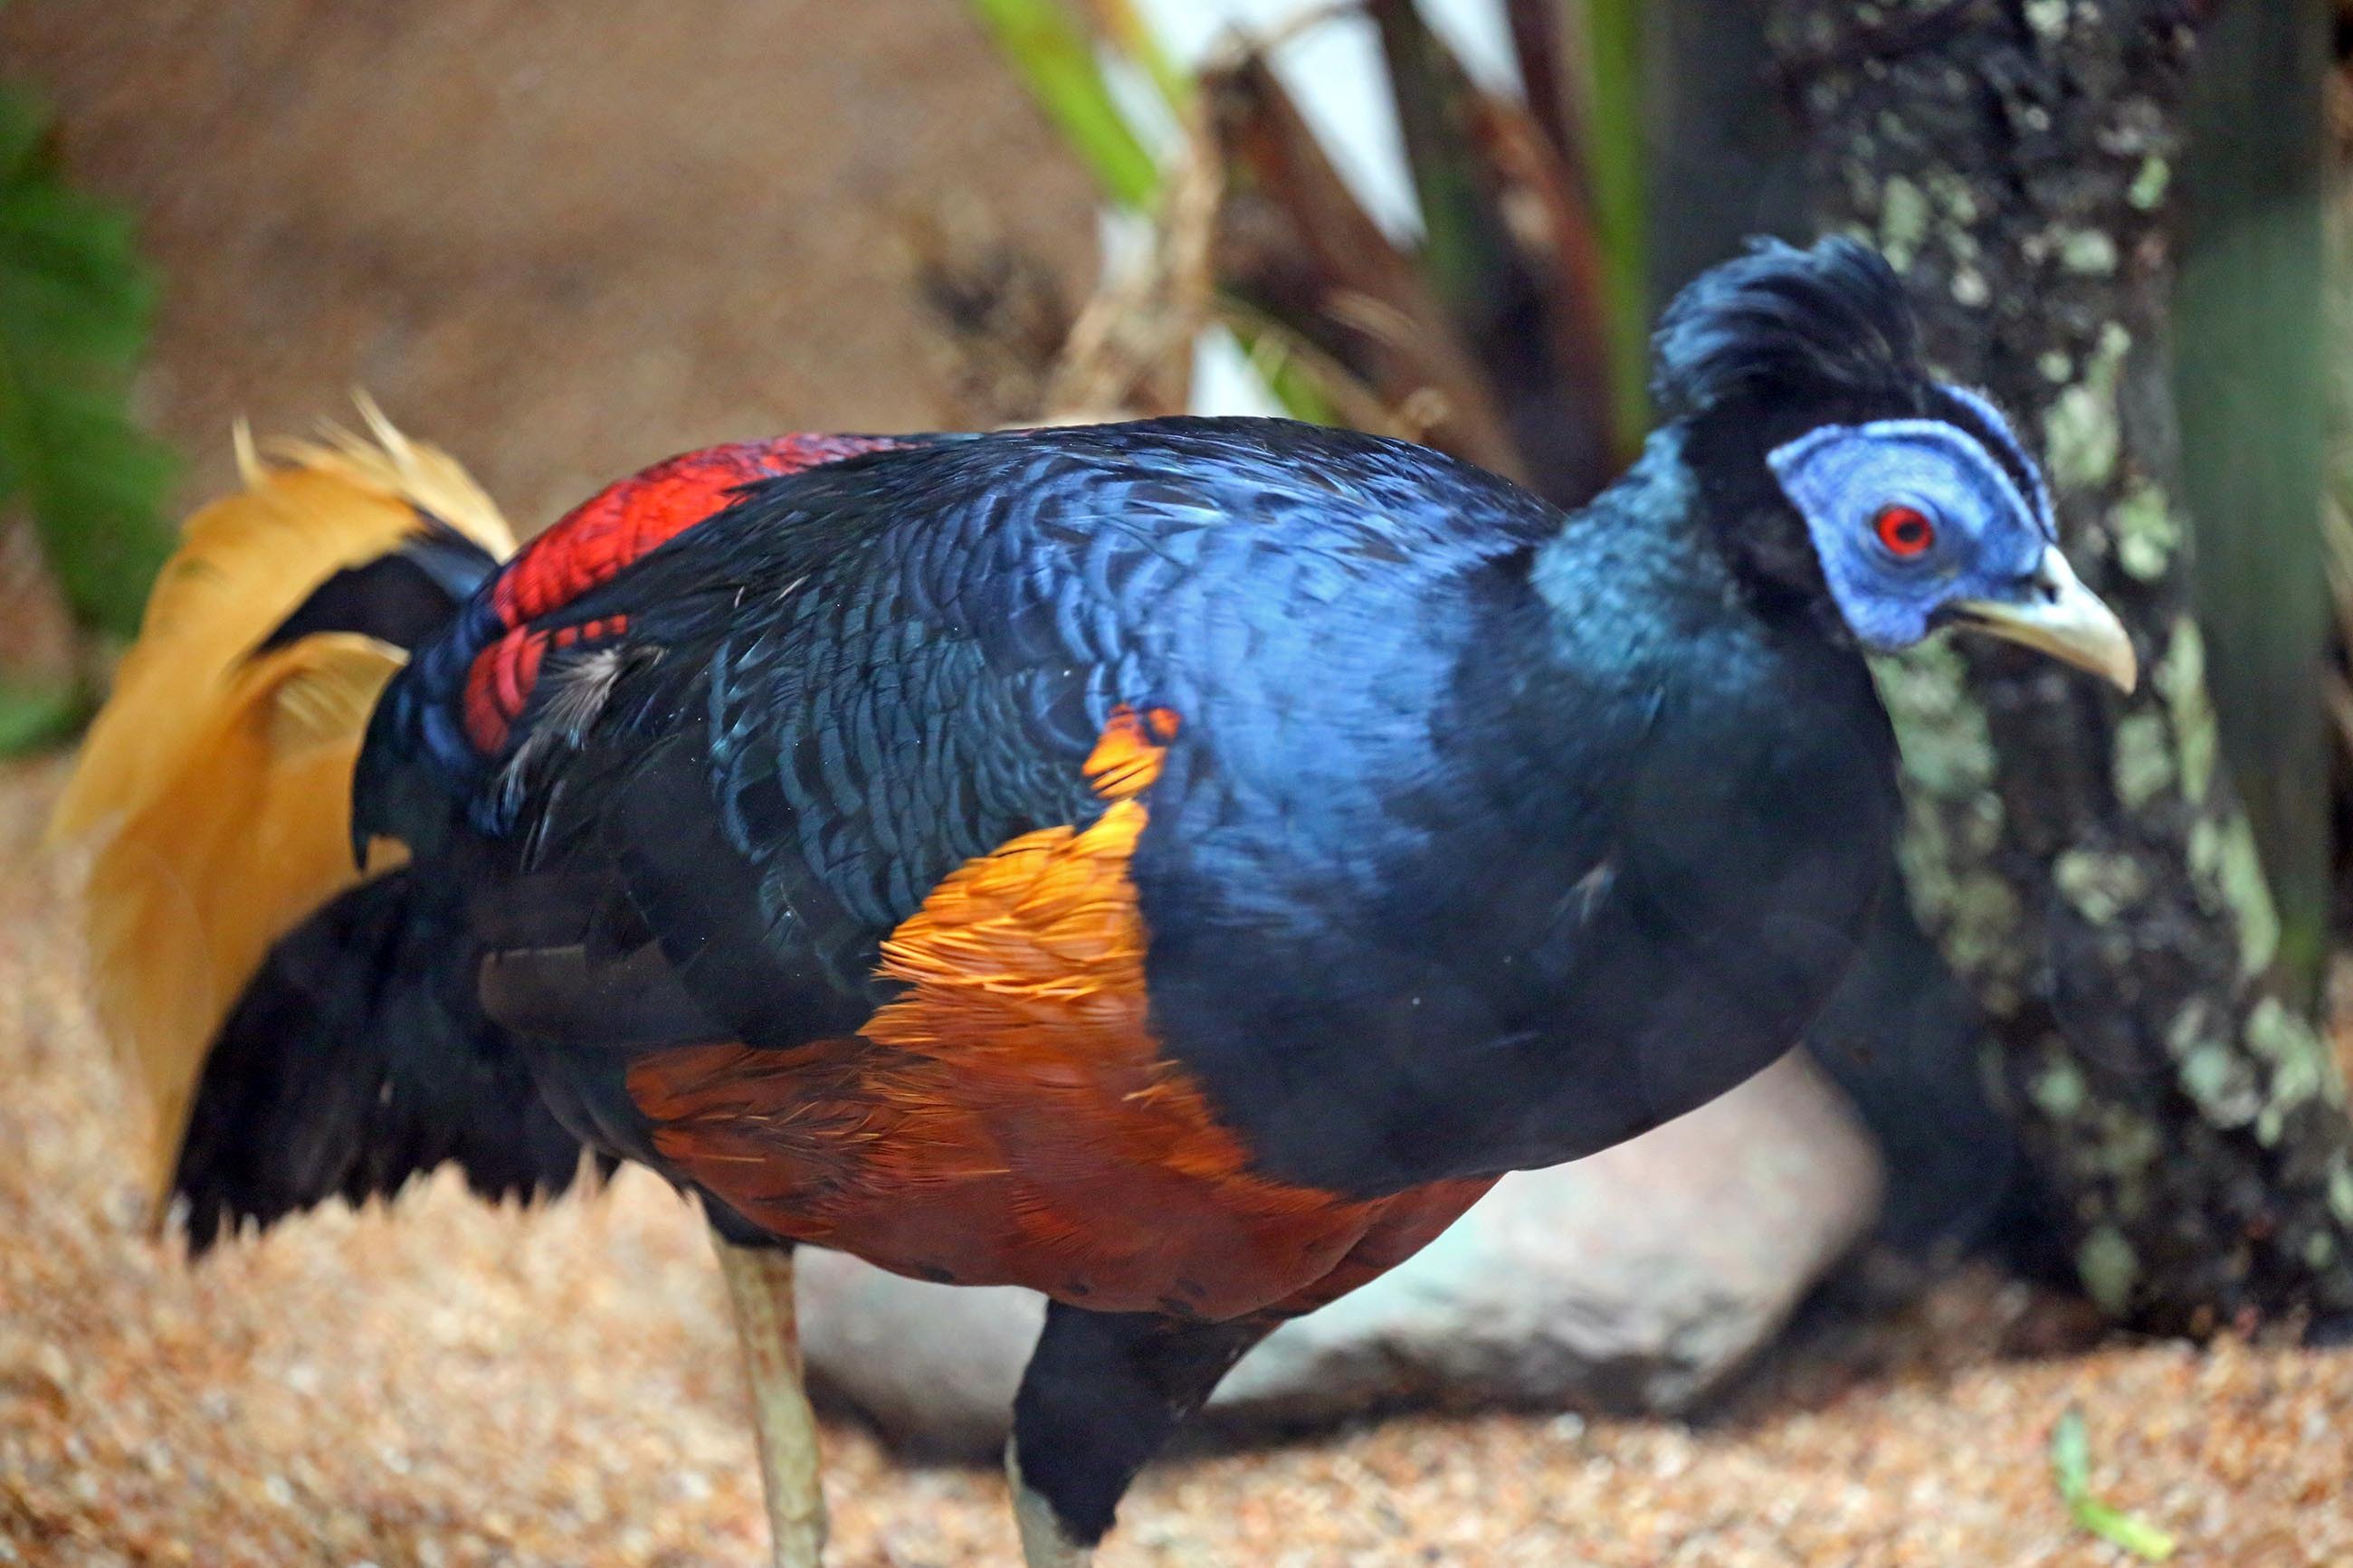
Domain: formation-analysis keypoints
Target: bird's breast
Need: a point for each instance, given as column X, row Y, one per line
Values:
column 1469, row 980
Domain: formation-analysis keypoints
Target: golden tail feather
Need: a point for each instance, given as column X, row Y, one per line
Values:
column 216, row 782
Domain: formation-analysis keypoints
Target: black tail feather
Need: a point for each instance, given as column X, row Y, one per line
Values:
column 356, row 1059
column 401, row 598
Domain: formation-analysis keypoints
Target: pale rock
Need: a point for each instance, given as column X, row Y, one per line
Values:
column 1637, row 1279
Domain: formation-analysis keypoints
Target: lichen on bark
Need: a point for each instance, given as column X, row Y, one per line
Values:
column 2082, row 860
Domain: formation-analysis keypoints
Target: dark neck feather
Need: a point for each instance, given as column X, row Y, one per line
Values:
column 1700, row 529
column 1750, row 523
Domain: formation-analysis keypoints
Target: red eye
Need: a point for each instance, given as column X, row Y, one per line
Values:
column 1905, row 530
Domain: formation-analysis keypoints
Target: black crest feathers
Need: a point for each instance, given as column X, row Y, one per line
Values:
column 1776, row 321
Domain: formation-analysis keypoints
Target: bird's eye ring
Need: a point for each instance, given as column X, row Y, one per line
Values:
column 1904, row 531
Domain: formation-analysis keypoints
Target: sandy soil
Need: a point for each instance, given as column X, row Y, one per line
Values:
column 564, row 240
column 445, row 1384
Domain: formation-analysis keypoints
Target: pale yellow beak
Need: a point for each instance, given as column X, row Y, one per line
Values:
column 2061, row 618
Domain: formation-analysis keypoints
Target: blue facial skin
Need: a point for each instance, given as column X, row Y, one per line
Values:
column 1989, row 539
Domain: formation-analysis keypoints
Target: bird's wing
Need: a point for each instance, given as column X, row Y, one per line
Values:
column 791, row 724
column 846, row 780
column 787, row 731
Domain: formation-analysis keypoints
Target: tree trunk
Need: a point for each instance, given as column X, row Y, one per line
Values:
column 2082, row 861
column 1724, row 161
column 2248, row 337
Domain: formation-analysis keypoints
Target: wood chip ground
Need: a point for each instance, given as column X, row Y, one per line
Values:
column 446, row 1385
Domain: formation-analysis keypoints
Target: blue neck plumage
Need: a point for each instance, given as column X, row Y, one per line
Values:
column 1641, row 565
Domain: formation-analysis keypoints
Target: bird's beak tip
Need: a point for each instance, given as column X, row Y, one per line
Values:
column 2066, row 620
column 2126, row 675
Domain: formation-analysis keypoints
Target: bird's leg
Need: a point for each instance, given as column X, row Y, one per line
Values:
column 760, row 1285
column 1046, row 1541
column 1103, row 1390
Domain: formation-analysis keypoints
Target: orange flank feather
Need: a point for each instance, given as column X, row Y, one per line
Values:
column 1010, row 1118
column 215, row 784
column 1126, row 757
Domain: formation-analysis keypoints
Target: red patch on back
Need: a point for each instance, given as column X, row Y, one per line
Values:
column 590, row 544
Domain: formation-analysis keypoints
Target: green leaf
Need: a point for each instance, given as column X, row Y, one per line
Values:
column 2071, row 1469
column 1056, row 56
column 24, row 132
column 32, row 717
column 75, row 305
column 96, row 484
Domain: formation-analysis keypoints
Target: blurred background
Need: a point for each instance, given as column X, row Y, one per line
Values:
column 2034, row 1253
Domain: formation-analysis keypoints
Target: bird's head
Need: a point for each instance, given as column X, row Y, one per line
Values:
column 1909, row 499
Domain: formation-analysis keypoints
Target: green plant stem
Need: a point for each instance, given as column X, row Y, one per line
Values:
column 1615, row 154
column 2071, row 1471
column 1055, row 56
column 1130, row 34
